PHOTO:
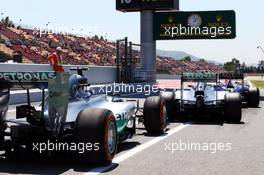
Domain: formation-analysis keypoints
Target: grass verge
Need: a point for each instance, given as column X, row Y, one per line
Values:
column 258, row 83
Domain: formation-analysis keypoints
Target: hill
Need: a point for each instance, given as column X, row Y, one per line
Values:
column 178, row 55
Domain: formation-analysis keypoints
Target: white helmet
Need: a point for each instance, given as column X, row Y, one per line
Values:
column 59, row 49
column 79, row 87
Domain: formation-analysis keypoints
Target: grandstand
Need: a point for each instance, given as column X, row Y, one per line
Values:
column 80, row 51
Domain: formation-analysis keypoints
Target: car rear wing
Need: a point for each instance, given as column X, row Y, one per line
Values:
column 199, row 77
column 80, row 70
column 58, row 94
column 25, row 80
column 237, row 76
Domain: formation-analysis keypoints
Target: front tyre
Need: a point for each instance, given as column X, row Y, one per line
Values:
column 233, row 107
column 155, row 115
column 97, row 127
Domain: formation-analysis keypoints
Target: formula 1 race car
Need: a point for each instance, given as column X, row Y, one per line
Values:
column 235, row 82
column 202, row 98
column 71, row 115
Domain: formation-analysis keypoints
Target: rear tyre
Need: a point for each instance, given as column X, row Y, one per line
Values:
column 4, row 101
column 155, row 115
column 253, row 97
column 97, row 128
column 169, row 100
column 233, row 107
column 2, row 139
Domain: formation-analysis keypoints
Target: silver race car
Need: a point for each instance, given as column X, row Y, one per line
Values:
column 72, row 117
column 201, row 98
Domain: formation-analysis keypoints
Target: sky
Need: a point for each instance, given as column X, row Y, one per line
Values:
column 100, row 17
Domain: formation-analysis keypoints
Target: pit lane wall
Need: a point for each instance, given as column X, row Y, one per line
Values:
column 98, row 75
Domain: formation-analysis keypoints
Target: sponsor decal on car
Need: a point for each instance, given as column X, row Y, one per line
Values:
column 26, row 76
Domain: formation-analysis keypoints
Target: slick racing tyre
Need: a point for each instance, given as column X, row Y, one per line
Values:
column 97, row 128
column 169, row 100
column 253, row 97
column 2, row 139
column 155, row 115
column 233, row 107
column 4, row 101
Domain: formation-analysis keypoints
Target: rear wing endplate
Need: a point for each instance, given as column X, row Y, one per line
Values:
column 58, row 103
column 58, row 93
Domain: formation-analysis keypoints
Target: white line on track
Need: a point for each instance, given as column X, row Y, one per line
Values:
column 250, row 84
column 136, row 150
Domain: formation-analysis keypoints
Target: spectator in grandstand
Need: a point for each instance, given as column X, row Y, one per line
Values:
column 55, row 60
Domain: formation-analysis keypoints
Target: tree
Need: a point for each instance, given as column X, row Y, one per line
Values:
column 243, row 67
column 232, row 66
column 261, row 66
column 96, row 37
column 235, row 61
column 229, row 66
column 202, row 61
column 187, row 58
column 7, row 22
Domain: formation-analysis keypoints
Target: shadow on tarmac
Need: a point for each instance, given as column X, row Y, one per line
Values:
column 205, row 121
column 40, row 165
column 54, row 164
column 124, row 146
